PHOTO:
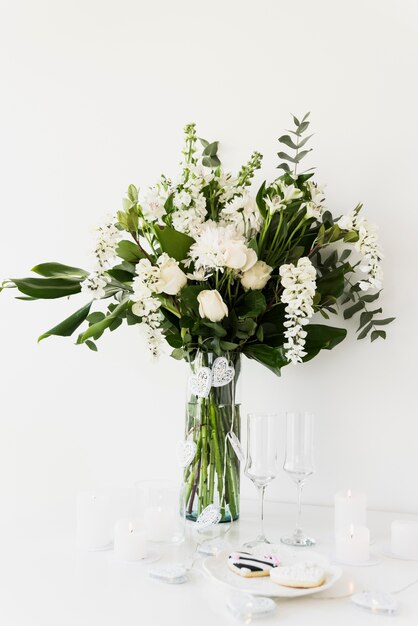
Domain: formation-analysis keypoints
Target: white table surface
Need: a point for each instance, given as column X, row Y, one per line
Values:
column 46, row 581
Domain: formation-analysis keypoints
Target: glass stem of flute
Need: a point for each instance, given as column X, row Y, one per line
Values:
column 261, row 491
column 298, row 529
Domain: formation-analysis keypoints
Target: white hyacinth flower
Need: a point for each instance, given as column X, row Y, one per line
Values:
column 299, row 286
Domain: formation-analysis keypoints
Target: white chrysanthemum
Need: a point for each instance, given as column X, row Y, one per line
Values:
column 108, row 237
column 218, row 246
column 299, row 286
column 242, row 212
column 368, row 246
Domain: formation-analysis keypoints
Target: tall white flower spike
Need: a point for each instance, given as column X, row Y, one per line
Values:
column 222, row 372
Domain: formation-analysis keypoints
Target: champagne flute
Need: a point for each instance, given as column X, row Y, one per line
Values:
column 299, row 463
column 261, row 462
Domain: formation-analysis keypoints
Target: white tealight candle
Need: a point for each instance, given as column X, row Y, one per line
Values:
column 350, row 508
column 404, row 538
column 94, row 528
column 352, row 545
column 130, row 541
column 160, row 523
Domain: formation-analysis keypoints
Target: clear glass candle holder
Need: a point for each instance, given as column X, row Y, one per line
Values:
column 161, row 506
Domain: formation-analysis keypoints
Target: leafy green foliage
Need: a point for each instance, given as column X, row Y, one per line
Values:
column 295, row 144
column 69, row 325
column 59, row 270
column 47, row 288
column 174, row 243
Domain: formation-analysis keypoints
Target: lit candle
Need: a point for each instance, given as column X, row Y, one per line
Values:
column 94, row 527
column 130, row 541
column 404, row 538
column 350, row 508
column 160, row 523
column 352, row 544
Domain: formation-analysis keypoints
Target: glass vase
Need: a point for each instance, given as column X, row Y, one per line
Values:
column 213, row 423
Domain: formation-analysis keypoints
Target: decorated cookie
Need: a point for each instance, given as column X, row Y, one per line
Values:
column 250, row 566
column 300, row 575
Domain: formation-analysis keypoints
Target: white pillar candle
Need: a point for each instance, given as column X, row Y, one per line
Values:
column 350, row 508
column 352, row 544
column 94, row 528
column 160, row 523
column 130, row 541
column 404, row 538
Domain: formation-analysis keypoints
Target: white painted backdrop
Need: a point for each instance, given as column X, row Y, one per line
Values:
column 94, row 96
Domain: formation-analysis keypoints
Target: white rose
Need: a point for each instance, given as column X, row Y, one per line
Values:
column 257, row 276
column 211, row 305
column 238, row 257
column 171, row 277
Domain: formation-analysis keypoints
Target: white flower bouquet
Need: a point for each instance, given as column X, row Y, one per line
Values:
column 207, row 268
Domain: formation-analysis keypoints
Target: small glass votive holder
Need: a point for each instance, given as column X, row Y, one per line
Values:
column 162, row 509
column 94, row 520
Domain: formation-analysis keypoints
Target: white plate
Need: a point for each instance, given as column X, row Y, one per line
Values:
column 217, row 568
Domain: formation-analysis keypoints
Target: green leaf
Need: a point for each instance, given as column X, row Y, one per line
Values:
column 133, row 193
column 58, row 270
column 295, row 120
column 286, row 157
column 217, row 329
column 353, row 309
column 211, row 161
column 47, row 288
column 252, row 304
column 69, row 325
column 211, row 149
column 365, row 331
column 283, row 166
column 302, row 127
column 351, row 236
column 129, row 251
column 272, row 358
column 388, row 320
column 179, row 354
column 261, row 203
column 321, row 337
column 344, row 255
column 99, row 327
column 365, row 318
column 174, row 243
column 228, row 345
column 95, row 317
column 91, row 345
column 188, row 298
column 378, row 333
column 331, row 283
column 302, row 154
column 370, row 297
column 288, row 141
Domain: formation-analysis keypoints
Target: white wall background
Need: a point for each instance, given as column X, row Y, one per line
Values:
column 94, row 96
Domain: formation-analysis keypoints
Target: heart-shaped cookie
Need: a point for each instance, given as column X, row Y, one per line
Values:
column 222, row 373
column 201, row 382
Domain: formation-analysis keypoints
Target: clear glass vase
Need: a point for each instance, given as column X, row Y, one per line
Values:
column 213, row 422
